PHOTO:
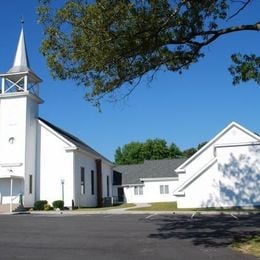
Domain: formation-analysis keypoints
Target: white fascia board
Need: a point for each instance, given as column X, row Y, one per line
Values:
column 94, row 156
column 247, row 131
column 71, row 149
column 22, row 94
column 181, row 168
column 181, row 188
column 179, row 193
column 160, row 179
column 11, row 164
column 131, row 185
column 8, row 176
column 107, row 162
column 87, row 153
column 236, row 144
column 70, row 144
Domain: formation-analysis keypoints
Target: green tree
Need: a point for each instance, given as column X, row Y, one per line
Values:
column 201, row 145
column 155, row 149
column 131, row 153
column 189, row 152
column 151, row 149
column 174, row 151
column 119, row 159
column 108, row 43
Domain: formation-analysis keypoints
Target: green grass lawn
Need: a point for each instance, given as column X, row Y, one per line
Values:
column 160, row 206
column 248, row 246
column 172, row 206
column 121, row 206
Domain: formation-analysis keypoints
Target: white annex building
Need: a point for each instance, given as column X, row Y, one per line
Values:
column 223, row 173
column 39, row 161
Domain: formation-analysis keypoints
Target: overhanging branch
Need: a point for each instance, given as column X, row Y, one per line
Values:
column 218, row 33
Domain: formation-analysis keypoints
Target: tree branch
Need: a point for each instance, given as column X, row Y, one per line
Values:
column 239, row 10
column 218, row 33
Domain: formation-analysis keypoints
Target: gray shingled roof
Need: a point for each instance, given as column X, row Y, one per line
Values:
column 131, row 174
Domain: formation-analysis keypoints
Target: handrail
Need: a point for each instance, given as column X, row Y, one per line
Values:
column 18, row 195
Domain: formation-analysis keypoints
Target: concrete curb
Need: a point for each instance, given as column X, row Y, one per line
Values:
column 126, row 212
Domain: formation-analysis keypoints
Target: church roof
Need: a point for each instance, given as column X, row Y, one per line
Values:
column 73, row 139
column 21, row 61
column 165, row 168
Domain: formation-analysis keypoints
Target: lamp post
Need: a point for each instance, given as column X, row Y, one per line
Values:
column 62, row 188
column 11, row 190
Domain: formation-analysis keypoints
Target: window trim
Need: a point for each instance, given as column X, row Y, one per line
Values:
column 138, row 190
column 30, row 184
column 164, row 189
column 108, row 186
column 92, row 182
column 82, row 180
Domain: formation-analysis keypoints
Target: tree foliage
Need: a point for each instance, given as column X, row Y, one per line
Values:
column 151, row 149
column 111, row 44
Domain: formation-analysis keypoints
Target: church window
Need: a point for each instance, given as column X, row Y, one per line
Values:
column 11, row 140
column 30, row 184
column 92, row 183
column 138, row 190
column 108, row 190
column 164, row 189
column 82, row 180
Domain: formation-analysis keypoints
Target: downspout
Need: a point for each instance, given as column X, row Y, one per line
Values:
column 11, row 194
column 99, row 183
column 74, row 202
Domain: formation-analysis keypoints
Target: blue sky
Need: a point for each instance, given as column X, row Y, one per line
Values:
column 185, row 109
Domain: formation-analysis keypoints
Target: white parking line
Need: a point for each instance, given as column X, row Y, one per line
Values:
column 149, row 216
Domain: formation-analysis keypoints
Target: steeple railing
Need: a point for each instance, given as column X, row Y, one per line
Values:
column 18, row 84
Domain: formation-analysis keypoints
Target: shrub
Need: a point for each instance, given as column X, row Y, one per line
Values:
column 58, row 204
column 48, row 207
column 39, row 204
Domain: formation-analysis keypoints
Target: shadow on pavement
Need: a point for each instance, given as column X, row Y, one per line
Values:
column 210, row 231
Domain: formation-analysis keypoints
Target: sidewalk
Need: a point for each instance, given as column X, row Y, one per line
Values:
column 104, row 211
column 126, row 211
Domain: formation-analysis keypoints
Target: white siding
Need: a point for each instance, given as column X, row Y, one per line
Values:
column 234, row 135
column 89, row 164
column 233, row 180
column 30, row 150
column 151, row 192
column 12, row 125
column 107, row 172
column 54, row 165
column 18, row 115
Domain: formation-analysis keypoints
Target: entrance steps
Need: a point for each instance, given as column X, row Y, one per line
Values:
column 5, row 208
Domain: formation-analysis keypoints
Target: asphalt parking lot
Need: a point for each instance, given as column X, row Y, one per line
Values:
column 123, row 236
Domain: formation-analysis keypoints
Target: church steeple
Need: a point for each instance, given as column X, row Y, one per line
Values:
column 21, row 61
column 20, row 77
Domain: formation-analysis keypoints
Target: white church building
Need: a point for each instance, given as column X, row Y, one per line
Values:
column 39, row 161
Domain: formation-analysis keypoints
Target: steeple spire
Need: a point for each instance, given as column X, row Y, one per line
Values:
column 20, row 77
column 21, row 61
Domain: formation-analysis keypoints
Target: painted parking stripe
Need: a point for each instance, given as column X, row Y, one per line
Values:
column 150, row 216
